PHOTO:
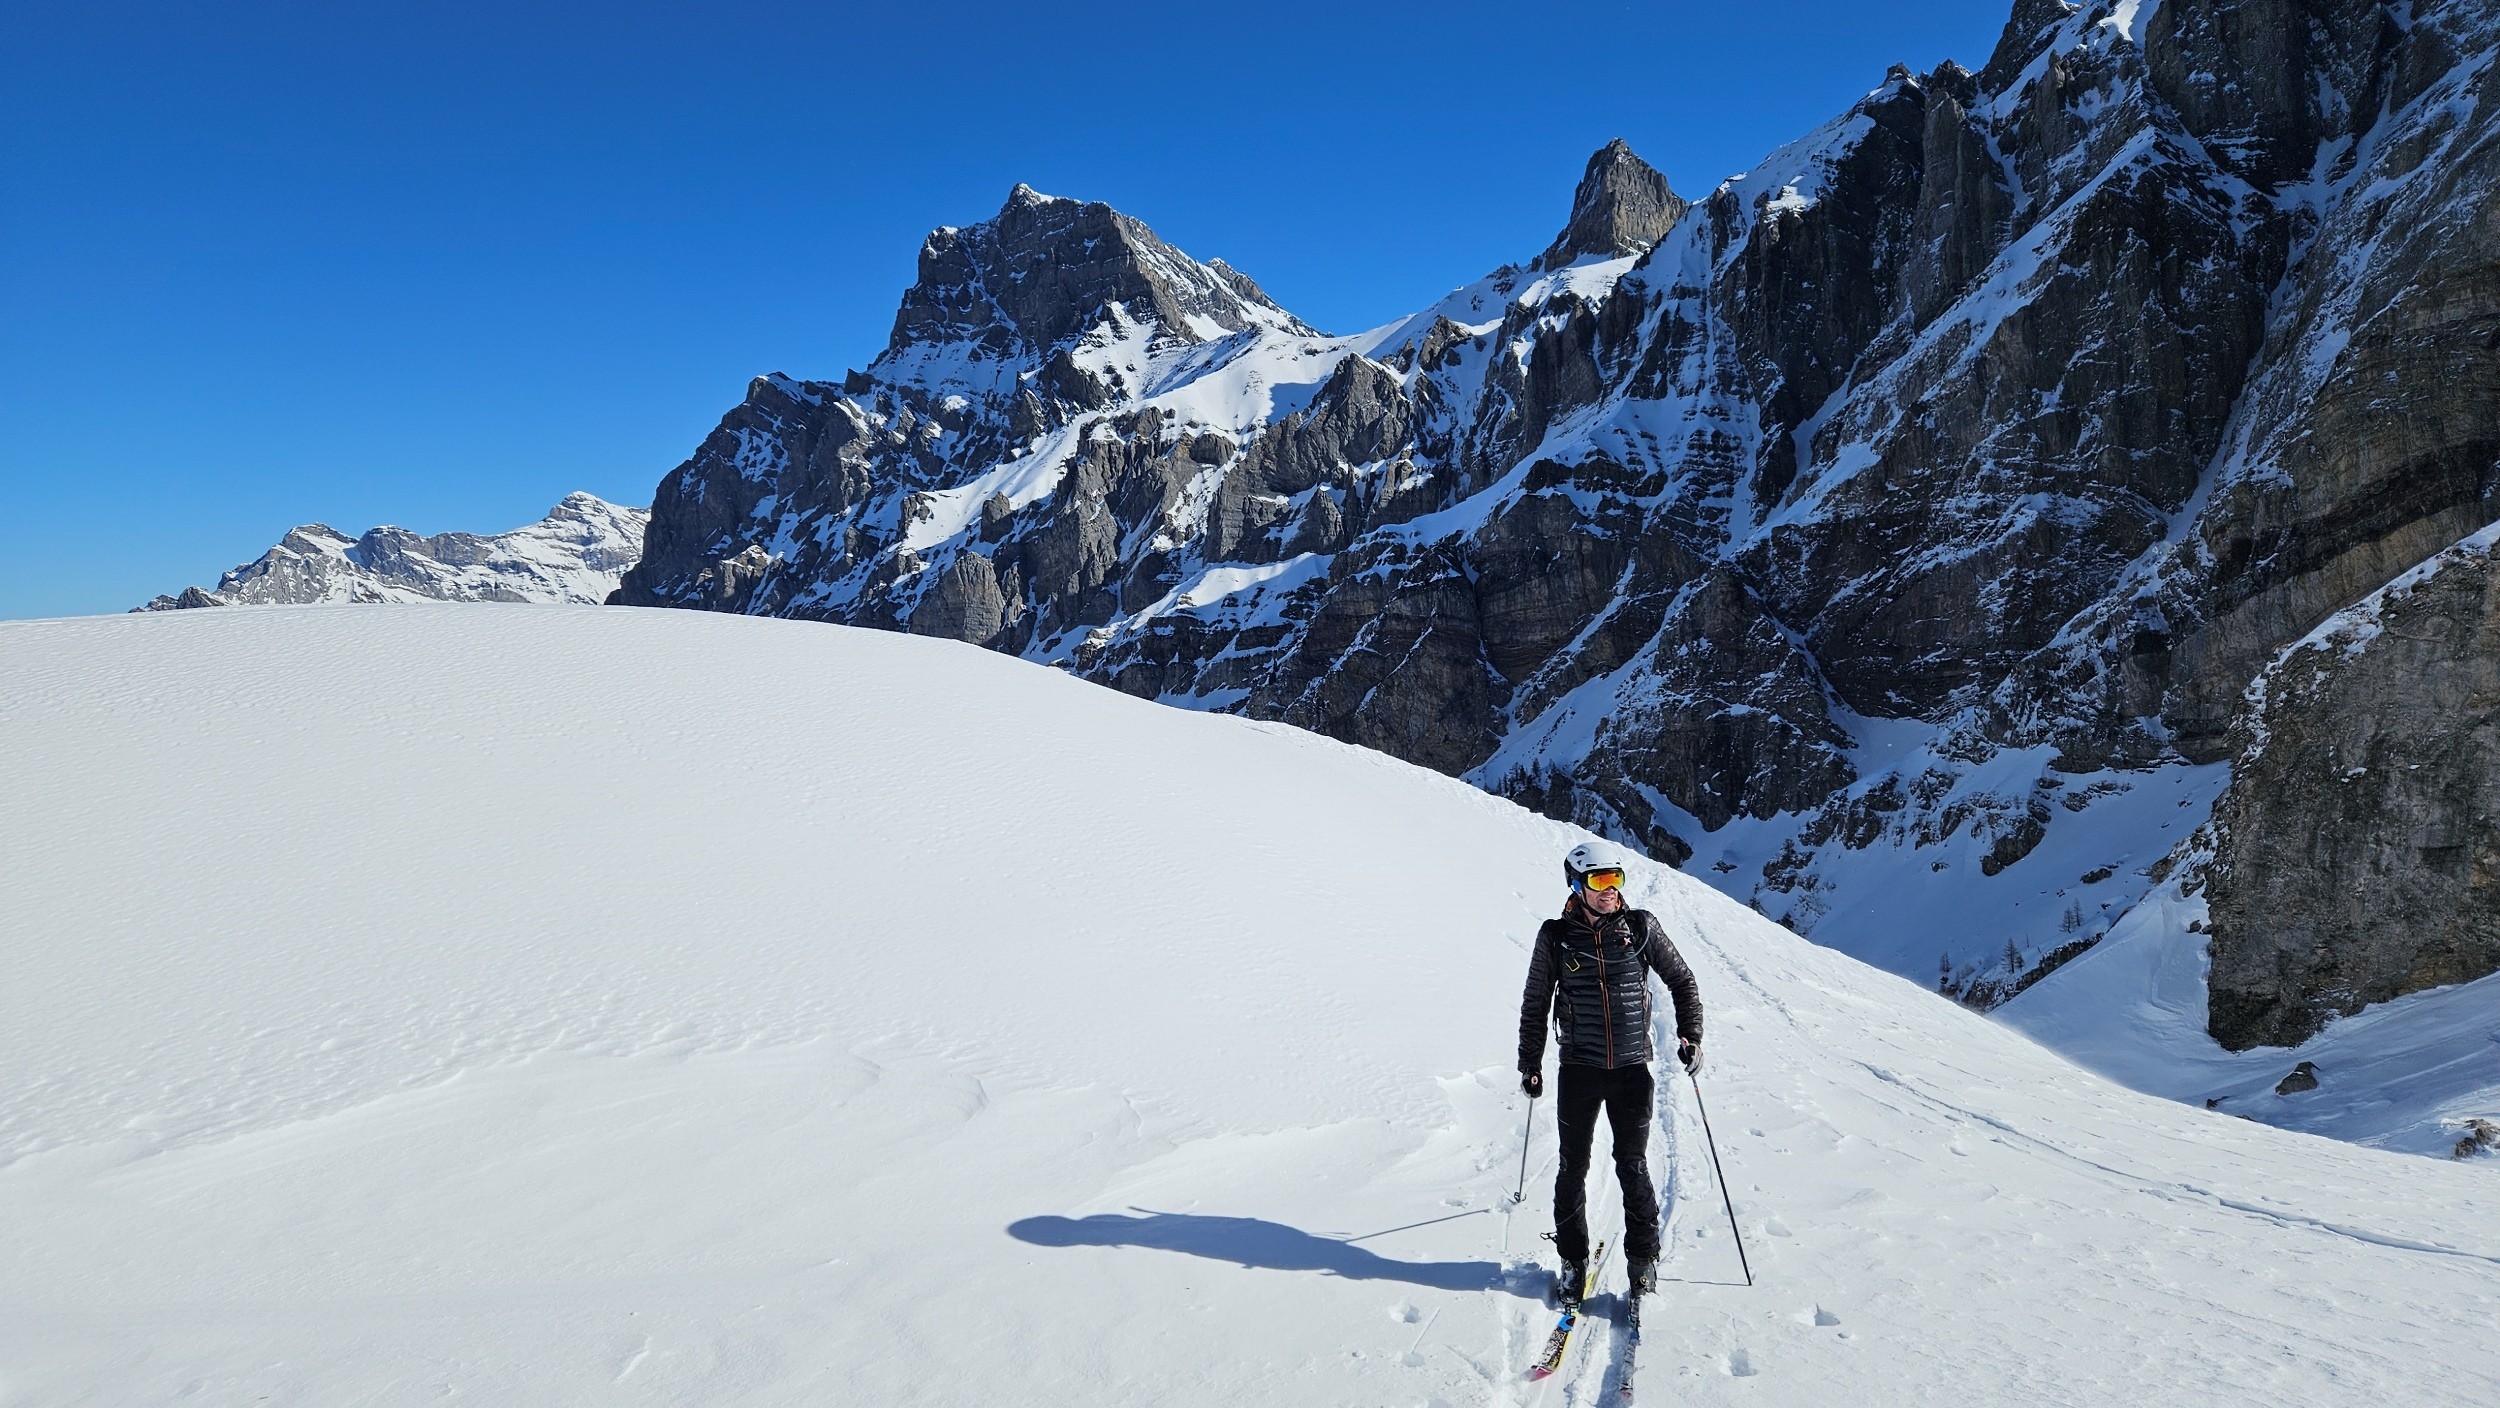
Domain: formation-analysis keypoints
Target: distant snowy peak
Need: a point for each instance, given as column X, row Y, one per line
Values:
column 575, row 554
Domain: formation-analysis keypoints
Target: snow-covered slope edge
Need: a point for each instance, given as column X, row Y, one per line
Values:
column 2413, row 1074
column 954, row 1032
column 576, row 554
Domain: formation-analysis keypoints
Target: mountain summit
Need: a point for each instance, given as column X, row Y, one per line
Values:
column 1623, row 206
column 1046, row 268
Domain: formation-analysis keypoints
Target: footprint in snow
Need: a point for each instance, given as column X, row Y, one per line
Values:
column 1817, row 1316
column 1739, row 1363
column 1405, row 1313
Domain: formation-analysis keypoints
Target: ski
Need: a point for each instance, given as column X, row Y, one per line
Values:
column 1631, row 1340
column 1559, row 1343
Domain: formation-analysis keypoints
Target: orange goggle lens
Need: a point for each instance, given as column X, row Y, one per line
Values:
column 1603, row 879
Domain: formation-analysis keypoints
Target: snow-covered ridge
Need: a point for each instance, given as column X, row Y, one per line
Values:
column 575, row 554
column 369, row 1057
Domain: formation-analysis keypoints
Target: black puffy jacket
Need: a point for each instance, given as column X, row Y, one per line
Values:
column 1592, row 973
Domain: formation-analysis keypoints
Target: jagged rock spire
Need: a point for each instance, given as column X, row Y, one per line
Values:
column 1623, row 206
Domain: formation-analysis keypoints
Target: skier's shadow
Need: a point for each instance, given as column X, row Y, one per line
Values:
column 1255, row 1242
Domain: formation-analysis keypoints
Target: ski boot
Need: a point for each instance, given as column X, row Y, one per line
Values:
column 1644, row 1275
column 1567, row 1283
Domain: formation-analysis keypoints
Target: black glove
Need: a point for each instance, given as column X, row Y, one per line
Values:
column 1532, row 1082
column 1690, row 1054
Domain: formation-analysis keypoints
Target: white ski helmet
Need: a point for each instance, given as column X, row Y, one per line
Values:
column 1594, row 855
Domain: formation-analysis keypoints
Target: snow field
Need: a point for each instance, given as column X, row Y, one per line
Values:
column 560, row 1005
column 2406, row 1075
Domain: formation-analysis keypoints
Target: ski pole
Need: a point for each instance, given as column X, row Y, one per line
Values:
column 1521, row 1195
column 1722, row 1173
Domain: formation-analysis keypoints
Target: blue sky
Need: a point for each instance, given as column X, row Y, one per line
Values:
column 439, row 265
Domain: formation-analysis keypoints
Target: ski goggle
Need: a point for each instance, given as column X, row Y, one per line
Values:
column 1603, row 879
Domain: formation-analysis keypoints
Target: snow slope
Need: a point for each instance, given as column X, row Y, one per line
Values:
column 560, row 1005
column 2408, row 1074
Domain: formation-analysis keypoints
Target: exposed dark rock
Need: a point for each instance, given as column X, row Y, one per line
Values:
column 964, row 604
column 1044, row 269
column 2358, row 847
column 1360, row 415
column 1545, row 568
column 1731, row 720
column 2304, row 1077
column 1394, row 663
column 2253, row 107
column 2017, row 838
column 2053, row 960
column 1623, row 206
column 191, row 598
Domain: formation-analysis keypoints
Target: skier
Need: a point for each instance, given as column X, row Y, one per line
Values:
column 1591, row 970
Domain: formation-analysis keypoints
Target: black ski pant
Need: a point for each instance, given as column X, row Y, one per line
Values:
column 1627, row 1094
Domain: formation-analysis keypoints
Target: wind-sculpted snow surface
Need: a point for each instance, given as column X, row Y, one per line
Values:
column 439, row 1003
column 1888, row 534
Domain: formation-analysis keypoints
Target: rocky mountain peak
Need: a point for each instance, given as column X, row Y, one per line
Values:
column 1623, row 206
column 1047, row 268
column 2031, row 28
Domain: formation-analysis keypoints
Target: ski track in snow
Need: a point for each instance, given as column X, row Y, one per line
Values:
column 553, row 1005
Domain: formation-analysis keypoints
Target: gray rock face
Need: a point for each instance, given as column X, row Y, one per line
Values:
column 965, row 604
column 1944, row 477
column 1623, row 206
column 1034, row 332
column 1044, row 268
column 2357, row 852
column 575, row 554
